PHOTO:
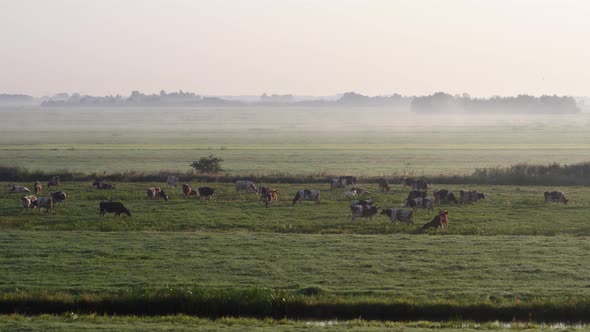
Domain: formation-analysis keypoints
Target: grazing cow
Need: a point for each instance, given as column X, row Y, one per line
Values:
column 45, row 203
column 38, row 187
column 441, row 220
column 54, row 182
column 555, row 196
column 350, row 194
column 306, row 195
column 18, row 189
column 470, row 196
column 445, row 196
column 99, row 184
column 338, row 183
column 205, row 192
column 360, row 191
column 269, row 196
column 416, row 194
column 186, row 190
column 29, row 202
column 399, row 215
column 363, row 211
column 156, row 193
column 383, row 185
column 172, row 181
column 420, row 203
column 59, row 197
column 349, row 179
column 247, row 185
column 407, row 182
column 113, row 207
column 420, row 184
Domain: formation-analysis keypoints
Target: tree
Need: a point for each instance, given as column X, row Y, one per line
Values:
column 209, row 164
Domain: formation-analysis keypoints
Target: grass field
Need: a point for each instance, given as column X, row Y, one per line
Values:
column 298, row 141
column 507, row 254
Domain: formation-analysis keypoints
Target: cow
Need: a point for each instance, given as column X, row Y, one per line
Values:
column 18, row 189
column 172, row 181
column 555, row 196
column 59, row 197
column 54, row 182
column 420, row 203
column 363, row 211
column 399, row 215
column 186, row 190
column 269, row 196
column 359, row 191
column 420, row 184
column 307, row 195
column 444, row 195
column 156, row 193
column 350, row 194
column 416, row 194
column 99, row 184
column 337, row 183
column 113, row 207
column 45, row 203
column 247, row 185
column 441, row 220
column 205, row 192
column 383, row 185
column 407, row 182
column 38, row 187
column 470, row 196
column 349, row 179
column 29, row 202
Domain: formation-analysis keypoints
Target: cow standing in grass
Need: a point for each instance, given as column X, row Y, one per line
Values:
column 172, row 181
column 269, row 196
column 555, row 196
column 247, row 185
column 399, row 215
column 306, row 195
column 113, row 207
column 28, row 202
column 38, row 187
column 156, row 193
column 59, row 197
column 383, row 185
column 45, row 203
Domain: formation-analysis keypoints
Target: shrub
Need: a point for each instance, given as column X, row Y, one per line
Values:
column 209, row 164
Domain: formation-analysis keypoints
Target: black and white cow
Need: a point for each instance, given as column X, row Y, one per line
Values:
column 420, row 203
column 555, row 196
column 306, row 195
column 363, row 211
column 399, row 215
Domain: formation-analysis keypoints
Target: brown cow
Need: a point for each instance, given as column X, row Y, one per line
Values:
column 38, row 187
column 440, row 221
column 269, row 196
column 383, row 185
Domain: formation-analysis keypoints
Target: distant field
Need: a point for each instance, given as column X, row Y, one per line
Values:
column 300, row 141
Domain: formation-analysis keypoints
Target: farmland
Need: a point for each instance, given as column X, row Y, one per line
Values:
column 506, row 257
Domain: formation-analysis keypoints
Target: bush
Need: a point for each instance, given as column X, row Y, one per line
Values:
column 209, row 164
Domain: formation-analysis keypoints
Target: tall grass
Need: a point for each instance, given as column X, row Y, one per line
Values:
column 520, row 174
column 269, row 303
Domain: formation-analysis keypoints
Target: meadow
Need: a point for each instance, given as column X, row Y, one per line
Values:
column 508, row 257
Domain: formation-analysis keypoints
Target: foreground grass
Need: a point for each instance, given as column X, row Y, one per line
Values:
column 74, row 322
column 450, row 268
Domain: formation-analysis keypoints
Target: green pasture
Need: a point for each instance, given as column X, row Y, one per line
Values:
column 507, row 210
column 295, row 141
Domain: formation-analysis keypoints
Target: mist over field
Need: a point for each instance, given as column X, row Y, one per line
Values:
column 304, row 140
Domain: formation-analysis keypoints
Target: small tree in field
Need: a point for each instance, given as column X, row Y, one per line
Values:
column 209, row 164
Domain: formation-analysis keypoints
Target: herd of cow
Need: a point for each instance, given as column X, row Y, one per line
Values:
column 362, row 208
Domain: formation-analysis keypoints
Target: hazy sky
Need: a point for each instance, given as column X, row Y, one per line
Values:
column 247, row 47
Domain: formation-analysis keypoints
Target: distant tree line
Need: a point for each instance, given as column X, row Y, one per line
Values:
column 441, row 102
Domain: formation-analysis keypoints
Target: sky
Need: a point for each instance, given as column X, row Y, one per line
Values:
column 303, row 47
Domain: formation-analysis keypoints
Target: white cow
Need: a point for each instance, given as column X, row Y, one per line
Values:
column 18, row 189
column 172, row 181
column 247, row 185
